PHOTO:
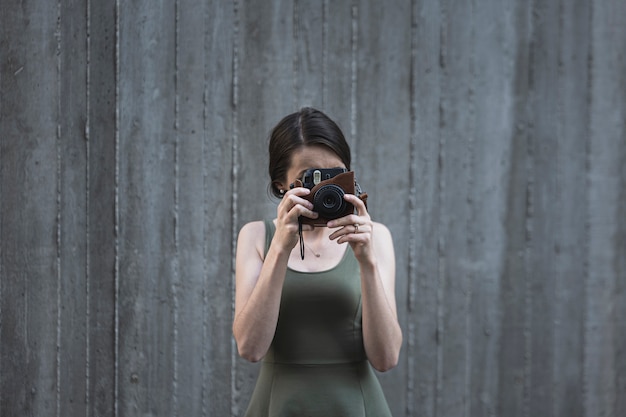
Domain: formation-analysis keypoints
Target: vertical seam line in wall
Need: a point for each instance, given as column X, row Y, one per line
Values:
column 87, row 213
column 176, row 273
column 205, row 299
column 556, row 382
column 2, row 371
column 413, row 168
column 295, row 63
column 441, row 272
column 58, row 214
column 354, row 79
column 529, row 214
column 235, row 174
column 324, row 51
column 471, row 220
column 586, row 277
column 116, row 318
column 413, row 220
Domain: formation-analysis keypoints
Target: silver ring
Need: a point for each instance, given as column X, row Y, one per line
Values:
column 356, row 228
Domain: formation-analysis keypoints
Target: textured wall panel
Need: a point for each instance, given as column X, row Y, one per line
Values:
column 490, row 136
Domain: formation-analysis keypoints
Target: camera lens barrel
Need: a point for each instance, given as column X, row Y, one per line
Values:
column 328, row 201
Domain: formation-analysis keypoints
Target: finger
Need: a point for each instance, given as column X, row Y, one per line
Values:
column 356, row 202
column 351, row 229
column 354, row 239
column 299, row 210
column 348, row 220
column 299, row 204
column 297, row 191
column 292, row 200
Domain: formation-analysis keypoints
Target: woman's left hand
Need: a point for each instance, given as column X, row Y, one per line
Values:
column 356, row 229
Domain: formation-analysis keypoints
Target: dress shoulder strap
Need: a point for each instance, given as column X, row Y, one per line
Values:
column 269, row 233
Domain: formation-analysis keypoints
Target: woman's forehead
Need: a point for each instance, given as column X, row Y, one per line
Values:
column 315, row 157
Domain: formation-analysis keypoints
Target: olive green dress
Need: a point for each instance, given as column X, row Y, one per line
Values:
column 316, row 365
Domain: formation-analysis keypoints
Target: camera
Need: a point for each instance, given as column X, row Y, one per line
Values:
column 328, row 186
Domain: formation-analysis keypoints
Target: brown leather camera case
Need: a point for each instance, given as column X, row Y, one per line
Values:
column 347, row 182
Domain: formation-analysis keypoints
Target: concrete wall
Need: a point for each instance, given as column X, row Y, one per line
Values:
column 490, row 136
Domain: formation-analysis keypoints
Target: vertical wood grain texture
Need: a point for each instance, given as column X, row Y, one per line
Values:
column 491, row 105
column 30, row 227
column 383, row 75
column 147, row 211
column 490, row 135
column 513, row 329
column 455, row 124
column 571, row 240
column 190, row 381
column 542, row 222
column 72, row 324
column 217, row 206
column 102, row 234
column 422, row 297
column 604, row 336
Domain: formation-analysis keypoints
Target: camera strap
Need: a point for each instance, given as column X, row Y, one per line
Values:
column 301, row 237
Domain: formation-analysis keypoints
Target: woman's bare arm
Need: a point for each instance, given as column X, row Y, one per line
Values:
column 258, row 291
column 373, row 247
column 259, row 278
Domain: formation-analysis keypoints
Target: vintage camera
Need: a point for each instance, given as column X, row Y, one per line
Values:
column 328, row 187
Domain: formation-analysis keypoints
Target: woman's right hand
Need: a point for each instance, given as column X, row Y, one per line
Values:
column 291, row 207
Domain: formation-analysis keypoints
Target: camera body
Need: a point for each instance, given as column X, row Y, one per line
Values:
column 328, row 186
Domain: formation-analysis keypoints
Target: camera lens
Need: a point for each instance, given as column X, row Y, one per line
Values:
column 328, row 201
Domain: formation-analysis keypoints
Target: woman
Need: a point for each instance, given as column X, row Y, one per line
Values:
column 317, row 321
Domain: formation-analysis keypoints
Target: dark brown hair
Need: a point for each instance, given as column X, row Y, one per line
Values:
column 304, row 128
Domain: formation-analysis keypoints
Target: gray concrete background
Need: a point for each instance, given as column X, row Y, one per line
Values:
column 490, row 136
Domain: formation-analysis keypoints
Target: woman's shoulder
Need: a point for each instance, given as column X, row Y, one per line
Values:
column 381, row 228
column 256, row 230
column 253, row 230
column 253, row 226
column 251, row 238
column 382, row 235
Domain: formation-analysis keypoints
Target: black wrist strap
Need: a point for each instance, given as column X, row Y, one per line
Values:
column 301, row 238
